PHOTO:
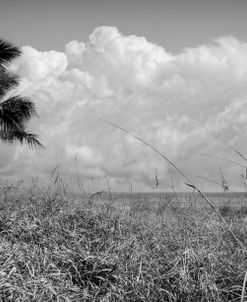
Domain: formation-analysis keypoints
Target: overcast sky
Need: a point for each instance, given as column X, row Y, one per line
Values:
column 173, row 72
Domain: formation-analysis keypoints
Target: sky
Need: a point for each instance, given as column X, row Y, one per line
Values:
column 172, row 72
column 172, row 24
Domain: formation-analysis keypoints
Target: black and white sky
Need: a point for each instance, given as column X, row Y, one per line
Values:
column 173, row 72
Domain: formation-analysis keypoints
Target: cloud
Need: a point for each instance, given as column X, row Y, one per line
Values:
column 185, row 104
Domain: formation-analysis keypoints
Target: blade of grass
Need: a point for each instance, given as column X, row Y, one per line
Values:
column 190, row 182
column 222, row 158
column 244, row 286
column 239, row 153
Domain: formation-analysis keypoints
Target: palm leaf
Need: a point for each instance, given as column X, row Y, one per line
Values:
column 32, row 140
column 8, row 52
column 22, row 136
column 14, row 114
column 19, row 108
column 29, row 138
column 16, row 110
column 7, row 81
column 9, row 122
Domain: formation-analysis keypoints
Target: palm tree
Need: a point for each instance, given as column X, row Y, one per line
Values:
column 15, row 111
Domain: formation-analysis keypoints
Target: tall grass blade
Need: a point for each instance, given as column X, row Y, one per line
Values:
column 222, row 158
column 239, row 153
column 244, row 286
column 190, row 182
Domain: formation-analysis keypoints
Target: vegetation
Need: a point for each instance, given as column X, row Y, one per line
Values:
column 15, row 110
column 54, row 248
column 57, row 248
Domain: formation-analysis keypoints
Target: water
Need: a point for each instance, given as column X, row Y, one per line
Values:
column 175, row 199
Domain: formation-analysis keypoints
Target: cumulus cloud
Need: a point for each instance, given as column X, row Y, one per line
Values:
column 185, row 104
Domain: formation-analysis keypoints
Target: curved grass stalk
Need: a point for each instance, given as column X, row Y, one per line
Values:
column 189, row 183
column 224, row 159
column 244, row 286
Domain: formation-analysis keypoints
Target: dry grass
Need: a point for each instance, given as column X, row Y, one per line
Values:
column 51, row 250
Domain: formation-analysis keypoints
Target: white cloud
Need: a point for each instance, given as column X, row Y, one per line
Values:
column 184, row 104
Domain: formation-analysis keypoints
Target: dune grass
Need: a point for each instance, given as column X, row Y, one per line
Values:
column 53, row 249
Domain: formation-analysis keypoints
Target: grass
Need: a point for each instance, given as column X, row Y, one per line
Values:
column 53, row 249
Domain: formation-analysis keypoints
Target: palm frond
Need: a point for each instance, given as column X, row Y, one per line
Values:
column 9, row 122
column 14, row 114
column 21, row 108
column 7, row 81
column 16, row 110
column 30, row 139
column 23, row 137
column 8, row 52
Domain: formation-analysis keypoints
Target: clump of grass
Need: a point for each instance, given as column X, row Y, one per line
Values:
column 88, row 254
column 140, row 205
